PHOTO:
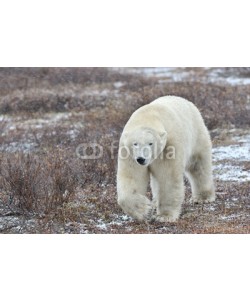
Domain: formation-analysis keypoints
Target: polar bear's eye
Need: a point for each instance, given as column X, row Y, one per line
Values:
column 135, row 144
column 150, row 144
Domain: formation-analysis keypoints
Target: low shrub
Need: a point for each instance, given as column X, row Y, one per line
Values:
column 32, row 184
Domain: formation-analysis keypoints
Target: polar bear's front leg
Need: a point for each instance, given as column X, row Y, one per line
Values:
column 132, row 182
column 171, row 196
column 168, row 195
column 137, row 206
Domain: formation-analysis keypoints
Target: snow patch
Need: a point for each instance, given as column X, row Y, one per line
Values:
column 16, row 147
column 4, row 118
column 118, row 84
column 168, row 73
column 243, row 139
column 73, row 133
column 118, row 220
column 239, row 154
column 48, row 119
column 217, row 76
column 228, row 172
column 101, row 225
column 230, row 217
column 171, row 74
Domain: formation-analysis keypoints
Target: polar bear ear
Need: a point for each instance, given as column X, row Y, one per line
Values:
column 163, row 135
column 125, row 135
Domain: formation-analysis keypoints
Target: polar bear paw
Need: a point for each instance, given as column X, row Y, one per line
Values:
column 139, row 207
column 171, row 217
column 143, row 211
column 200, row 199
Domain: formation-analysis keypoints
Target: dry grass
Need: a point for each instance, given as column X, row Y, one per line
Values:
column 67, row 194
column 32, row 184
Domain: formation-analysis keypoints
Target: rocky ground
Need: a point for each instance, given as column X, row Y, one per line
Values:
column 46, row 113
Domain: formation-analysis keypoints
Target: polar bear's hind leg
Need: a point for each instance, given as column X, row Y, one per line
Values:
column 199, row 173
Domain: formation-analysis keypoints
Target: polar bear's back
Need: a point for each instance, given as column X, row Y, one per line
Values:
column 176, row 115
column 180, row 108
column 175, row 103
column 183, row 122
column 167, row 111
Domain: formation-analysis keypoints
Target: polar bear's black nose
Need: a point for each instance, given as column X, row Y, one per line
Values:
column 141, row 160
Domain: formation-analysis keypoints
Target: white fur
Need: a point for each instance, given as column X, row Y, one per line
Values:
column 167, row 123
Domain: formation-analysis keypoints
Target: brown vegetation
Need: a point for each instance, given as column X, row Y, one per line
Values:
column 35, row 184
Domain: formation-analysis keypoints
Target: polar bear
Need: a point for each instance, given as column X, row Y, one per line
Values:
column 161, row 142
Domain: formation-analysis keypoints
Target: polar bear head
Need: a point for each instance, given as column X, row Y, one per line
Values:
column 145, row 144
